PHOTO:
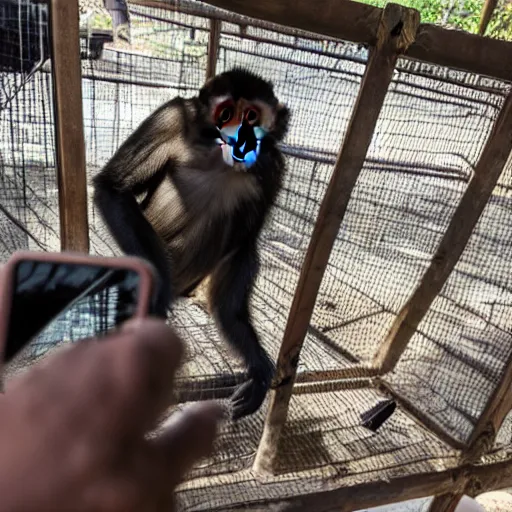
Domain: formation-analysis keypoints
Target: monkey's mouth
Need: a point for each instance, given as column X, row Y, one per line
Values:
column 240, row 144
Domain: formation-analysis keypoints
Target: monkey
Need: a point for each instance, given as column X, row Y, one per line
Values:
column 190, row 191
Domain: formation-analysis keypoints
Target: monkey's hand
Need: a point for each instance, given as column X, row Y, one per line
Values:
column 249, row 396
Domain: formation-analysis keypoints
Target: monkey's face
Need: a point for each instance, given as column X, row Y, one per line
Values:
column 244, row 110
column 242, row 125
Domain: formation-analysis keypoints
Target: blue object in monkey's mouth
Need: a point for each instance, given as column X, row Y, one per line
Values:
column 241, row 143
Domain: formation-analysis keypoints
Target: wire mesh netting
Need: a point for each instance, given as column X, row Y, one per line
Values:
column 429, row 136
column 24, row 45
column 28, row 188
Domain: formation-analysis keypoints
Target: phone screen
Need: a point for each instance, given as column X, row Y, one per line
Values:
column 55, row 302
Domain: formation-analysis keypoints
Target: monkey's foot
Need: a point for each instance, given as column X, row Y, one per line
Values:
column 249, row 396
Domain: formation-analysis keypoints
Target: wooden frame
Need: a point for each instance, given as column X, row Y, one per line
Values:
column 358, row 23
column 69, row 130
column 469, row 210
column 397, row 29
column 389, row 32
column 213, row 47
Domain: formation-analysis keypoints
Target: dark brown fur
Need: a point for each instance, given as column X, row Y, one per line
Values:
column 168, row 196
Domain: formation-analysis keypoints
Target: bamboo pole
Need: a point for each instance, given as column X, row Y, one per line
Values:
column 396, row 31
column 486, row 15
column 213, row 47
column 69, row 132
column 478, row 192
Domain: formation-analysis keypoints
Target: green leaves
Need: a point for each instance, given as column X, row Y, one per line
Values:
column 460, row 14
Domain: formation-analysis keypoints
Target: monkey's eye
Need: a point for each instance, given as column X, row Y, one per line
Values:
column 224, row 113
column 252, row 115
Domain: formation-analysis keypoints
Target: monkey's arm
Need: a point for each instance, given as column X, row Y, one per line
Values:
column 139, row 166
column 230, row 289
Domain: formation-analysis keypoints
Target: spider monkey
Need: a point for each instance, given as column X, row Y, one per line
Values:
column 190, row 191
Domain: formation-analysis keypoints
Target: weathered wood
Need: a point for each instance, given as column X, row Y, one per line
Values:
column 213, row 47
column 445, row 502
column 381, row 492
column 356, row 22
column 488, row 425
column 296, row 15
column 353, row 372
column 486, row 15
column 483, row 437
column 461, row 50
column 478, row 192
column 396, row 31
column 69, row 132
column 194, row 393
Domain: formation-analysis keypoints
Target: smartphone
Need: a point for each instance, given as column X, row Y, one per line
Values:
column 51, row 298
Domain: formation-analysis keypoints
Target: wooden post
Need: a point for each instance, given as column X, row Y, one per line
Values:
column 482, row 438
column 445, row 502
column 488, row 425
column 470, row 208
column 487, row 12
column 396, row 31
column 213, row 47
column 69, row 131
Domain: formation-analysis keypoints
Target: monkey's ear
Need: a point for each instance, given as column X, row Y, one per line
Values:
column 281, row 122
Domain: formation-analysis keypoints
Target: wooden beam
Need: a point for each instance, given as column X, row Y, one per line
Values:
column 213, row 47
column 482, row 438
column 396, row 31
column 445, row 502
column 357, row 22
column 69, row 132
column 498, row 406
column 486, row 15
column 203, row 10
column 352, row 372
column 347, row 498
column 461, row 50
column 478, row 192
column 287, row 13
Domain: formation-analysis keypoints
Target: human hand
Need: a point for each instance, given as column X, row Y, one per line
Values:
column 73, row 428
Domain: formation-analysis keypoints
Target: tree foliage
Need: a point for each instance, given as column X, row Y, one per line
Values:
column 460, row 14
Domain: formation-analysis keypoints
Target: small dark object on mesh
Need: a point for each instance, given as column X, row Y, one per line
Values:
column 376, row 416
